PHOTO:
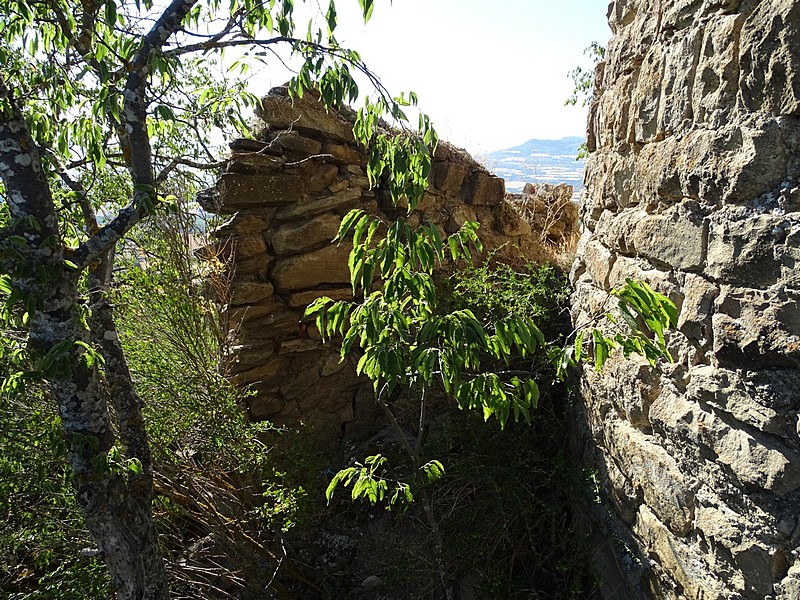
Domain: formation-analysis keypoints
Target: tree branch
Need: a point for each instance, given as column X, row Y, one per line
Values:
column 176, row 162
column 135, row 129
column 108, row 235
column 135, row 102
column 213, row 44
column 83, row 42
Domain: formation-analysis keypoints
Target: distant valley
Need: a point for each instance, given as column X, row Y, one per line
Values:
column 539, row 161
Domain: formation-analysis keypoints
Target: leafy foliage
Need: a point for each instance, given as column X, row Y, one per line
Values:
column 583, row 84
column 403, row 339
column 644, row 318
column 504, row 506
column 495, row 288
column 41, row 531
column 110, row 93
column 507, row 506
column 583, row 79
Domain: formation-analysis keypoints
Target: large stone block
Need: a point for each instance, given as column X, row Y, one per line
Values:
column 279, row 323
column 664, row 282
column 245, row 222
column 483, row 189
column 294, row 142
column 245, row 357
column 347, row 198
column 680, row 65
column 244, row 254
column 303, row 114
column 273, row 369
column 257, row 191
column 608, row 186
column 326, row 266
column 449, row 177
column 321, row 177
column 598, row 261
column 254, row 162
column 770, row 58
column 249, row 292
column 460, row 214
column 245, row 247
column 675, row 239
column 303, row 299
column 243, row 316
column 654, row 473
column 613, row 112
column 292, row 238
column 646, row 100
column 305, row 374
column 717, row 72
column 635, row 25
column 754, row 563
column 615, row 229
column 789, row 587
column 754, row 459
column 757, row 328
column 733, row 163
column 694, row 320
column 682, row 564
column 347, row 155
column 739, row 395
column 741, row 247
column 630, row 385
column 681, row 14
column 621, row 13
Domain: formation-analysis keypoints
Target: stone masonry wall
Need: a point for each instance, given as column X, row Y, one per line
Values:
column 693, row 185
column 286, row 193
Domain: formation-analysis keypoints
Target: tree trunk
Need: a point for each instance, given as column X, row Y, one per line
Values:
column 114, row 501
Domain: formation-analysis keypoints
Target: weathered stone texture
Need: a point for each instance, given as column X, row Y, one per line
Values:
column 287, row 193
column 693, row 187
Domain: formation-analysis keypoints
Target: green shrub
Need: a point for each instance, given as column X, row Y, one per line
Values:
column 494, row 289
column 41, row 529
column 222, row 500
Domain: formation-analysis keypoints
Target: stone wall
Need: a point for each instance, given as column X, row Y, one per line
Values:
column 693, row 186
column 286, row 192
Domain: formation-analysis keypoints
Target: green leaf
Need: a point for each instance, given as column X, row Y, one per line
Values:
column 452, row 242
column 334, row 484
column 531, row 392
column 601, row 349
column 347, row 223
column 433, row 470
column 579, row 346
column 330, row 16
column 135, row 466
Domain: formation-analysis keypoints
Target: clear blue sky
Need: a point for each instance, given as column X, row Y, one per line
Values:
column 491, row 74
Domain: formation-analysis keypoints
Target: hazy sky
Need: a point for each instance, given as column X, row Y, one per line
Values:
column 491, row 74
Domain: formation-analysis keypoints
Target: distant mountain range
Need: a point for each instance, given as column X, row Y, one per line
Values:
column 539, row 161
